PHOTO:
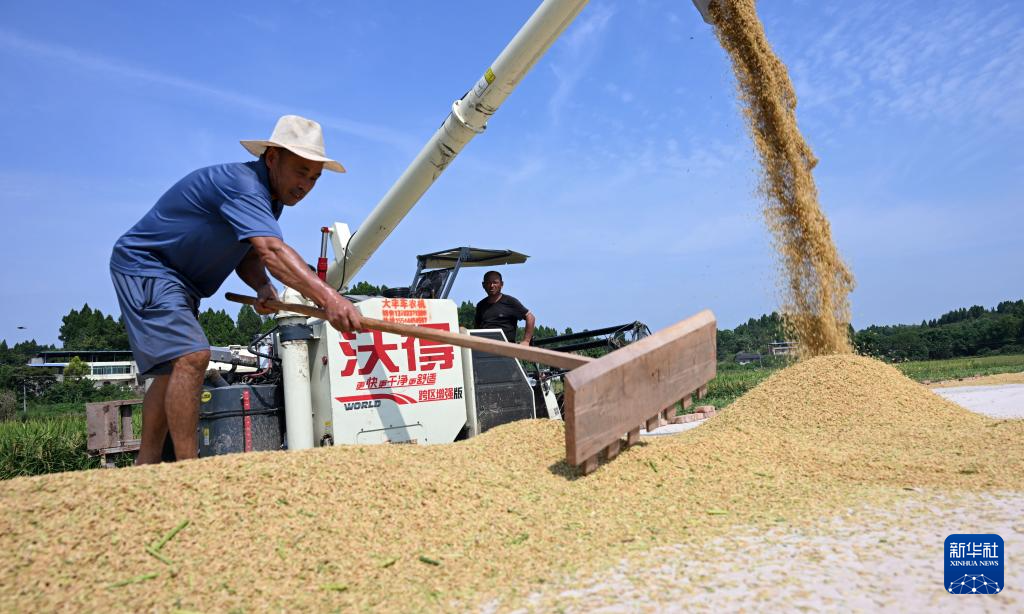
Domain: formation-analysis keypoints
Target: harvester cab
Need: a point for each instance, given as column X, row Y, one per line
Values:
column 436, row 272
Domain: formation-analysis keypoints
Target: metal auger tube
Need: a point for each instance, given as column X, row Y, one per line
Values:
column 468, row 118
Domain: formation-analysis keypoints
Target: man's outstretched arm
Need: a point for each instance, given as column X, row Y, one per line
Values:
column 287, row 266
column 528, row 334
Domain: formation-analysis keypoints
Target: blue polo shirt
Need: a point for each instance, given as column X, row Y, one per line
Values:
column 196, row 233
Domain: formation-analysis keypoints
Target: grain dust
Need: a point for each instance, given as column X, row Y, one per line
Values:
column 408, row 528
column 817, row 284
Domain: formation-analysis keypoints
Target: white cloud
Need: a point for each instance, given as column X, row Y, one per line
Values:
column 575, row 53
column 124, row 71
column 957, row 62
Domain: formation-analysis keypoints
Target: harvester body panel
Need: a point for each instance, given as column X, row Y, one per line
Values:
column 376, row 387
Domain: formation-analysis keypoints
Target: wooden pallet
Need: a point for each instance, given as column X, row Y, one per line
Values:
column 109, row 429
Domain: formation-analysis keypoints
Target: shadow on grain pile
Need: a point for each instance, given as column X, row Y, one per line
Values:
column 408, row 528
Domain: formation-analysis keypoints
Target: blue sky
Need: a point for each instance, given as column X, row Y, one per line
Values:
column 620, row 164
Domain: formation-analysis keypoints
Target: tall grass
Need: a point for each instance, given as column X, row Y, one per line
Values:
column 730, row 384
column 44, row 445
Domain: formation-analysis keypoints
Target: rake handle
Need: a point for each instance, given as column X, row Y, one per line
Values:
column 510, row 350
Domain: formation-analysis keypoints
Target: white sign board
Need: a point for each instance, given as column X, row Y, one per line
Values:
column 388, row 388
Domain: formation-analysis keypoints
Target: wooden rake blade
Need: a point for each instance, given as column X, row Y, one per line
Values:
column 636, row 386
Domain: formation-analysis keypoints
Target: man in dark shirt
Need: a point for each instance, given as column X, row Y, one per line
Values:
column 502, row 311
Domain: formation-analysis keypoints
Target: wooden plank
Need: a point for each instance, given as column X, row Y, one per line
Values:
column 126, row 423
column 615, row 393
column 121, row 402
column 101, row 426
column 613, row 449
column 547, row 357
column 633, row 437
column 687, row 401
column 128, row 446
column 105, row 423
column 590, row 465
column 702, row 392
column 653, row 423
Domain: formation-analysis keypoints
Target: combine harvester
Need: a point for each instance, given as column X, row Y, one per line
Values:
column 402, row 381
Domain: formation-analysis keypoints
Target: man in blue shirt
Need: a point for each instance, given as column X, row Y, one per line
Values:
column 216, row 220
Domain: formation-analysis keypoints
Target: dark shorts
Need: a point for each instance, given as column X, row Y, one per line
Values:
column 161, row 318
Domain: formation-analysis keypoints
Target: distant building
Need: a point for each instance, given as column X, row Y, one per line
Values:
column 745, row 358
column 105, row 366
column 782, row 348
column 117, row 366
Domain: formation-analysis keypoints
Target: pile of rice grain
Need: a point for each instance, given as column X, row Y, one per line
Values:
column 815, row 301
column 411, row 528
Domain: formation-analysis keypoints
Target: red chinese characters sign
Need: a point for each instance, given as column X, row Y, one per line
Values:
column 363, row 353
column 405, row 310
column 388, row 387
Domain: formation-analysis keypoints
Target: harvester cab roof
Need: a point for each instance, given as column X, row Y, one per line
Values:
column 436, row 271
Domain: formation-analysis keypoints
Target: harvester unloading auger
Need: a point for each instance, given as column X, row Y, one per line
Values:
column 401, row 380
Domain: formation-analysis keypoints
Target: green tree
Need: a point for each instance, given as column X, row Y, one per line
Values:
column 89, row 329
column 20, row 353
column 543, row 332
column 467, row 314
column 71, row 390
column 365, row 288
column 752, row 336
column 726, row 344
column 117, row 334
column 32, row 381
column 249, row 324
column 77, row 368
column 218, row 326
column 962, row 332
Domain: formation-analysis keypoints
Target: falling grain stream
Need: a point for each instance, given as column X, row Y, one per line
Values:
column 816, row 283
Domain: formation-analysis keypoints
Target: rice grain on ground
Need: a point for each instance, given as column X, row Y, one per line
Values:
column 408, row 528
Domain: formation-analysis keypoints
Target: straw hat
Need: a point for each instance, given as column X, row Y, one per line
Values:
column 303, row 137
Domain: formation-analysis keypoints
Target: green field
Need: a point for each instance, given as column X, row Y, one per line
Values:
column 956, row 368
column 51, row 438
column 43, row 445
column 48, row 439
column 733, row 381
